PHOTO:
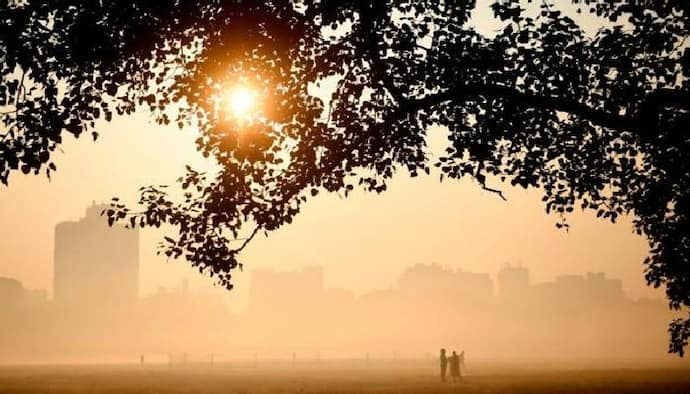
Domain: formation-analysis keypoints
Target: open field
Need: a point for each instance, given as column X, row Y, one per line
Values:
column 236, row 379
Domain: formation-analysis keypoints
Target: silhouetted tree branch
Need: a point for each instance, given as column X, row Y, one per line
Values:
column 644, row 122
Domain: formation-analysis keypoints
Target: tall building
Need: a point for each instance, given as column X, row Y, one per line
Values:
column 95, row 265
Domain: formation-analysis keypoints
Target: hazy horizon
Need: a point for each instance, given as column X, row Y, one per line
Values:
column 450, row 223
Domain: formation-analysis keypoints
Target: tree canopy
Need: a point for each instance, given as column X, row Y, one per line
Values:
column 597, row 120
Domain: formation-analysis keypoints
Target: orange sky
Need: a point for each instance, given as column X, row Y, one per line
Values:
column 363, row 242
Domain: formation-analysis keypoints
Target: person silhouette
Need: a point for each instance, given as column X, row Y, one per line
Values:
column 444, row 364
column 454, row 362
column 461, row 364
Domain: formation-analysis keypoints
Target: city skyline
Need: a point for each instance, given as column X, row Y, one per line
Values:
column 93, row 225
column 590, row 245
column 449, row 302
column 311, row 310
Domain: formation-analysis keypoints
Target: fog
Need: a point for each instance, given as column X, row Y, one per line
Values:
column 101, row 304
column 96, row 314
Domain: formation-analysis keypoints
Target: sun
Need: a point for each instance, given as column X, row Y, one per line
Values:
column 241, row 102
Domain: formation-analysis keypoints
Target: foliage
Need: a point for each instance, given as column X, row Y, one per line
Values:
column 598, row 121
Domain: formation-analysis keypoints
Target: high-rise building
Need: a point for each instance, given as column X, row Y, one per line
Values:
column 95, row 264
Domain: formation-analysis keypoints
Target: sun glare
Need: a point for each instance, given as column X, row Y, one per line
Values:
column 241, row 102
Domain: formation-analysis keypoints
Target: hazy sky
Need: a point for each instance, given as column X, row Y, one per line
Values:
column 363, row 242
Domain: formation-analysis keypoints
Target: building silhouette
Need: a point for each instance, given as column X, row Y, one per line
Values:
column 95, row 265
column 437, row 282
column 291, row 290
column 97, row 310
column 513, row 282
column 591, row 289
column 11, row 291
column 294, row 312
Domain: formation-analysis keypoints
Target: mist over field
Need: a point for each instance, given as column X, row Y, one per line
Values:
column 340, row 377
column 97, row 316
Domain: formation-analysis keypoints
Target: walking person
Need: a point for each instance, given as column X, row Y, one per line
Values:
column 444, row 364
column 455, row 367
column 461, row 364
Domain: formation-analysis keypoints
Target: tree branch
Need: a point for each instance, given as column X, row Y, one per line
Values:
column 367, row 12
column 496, row 191
column 645, row 119
column 248, row 239
column 20, row 87
column 644, row 122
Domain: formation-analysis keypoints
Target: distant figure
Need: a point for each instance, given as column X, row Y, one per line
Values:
column 141, row 359
column 444, row 364
column 461, row 363
column 455, row 367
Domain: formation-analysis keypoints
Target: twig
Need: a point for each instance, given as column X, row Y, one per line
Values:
column 496, row 191
column 338, row 88
column 681, row 43
column 19, row 88
column 248, row 239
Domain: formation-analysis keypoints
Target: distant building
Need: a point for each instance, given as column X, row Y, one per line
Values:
column 37, row 296
column 95, row 265
column 11, row 291
column 513, row 282
column 435, row 281
column 288, row 289
column 590, row 290
column 474, row 286
column 603, row 288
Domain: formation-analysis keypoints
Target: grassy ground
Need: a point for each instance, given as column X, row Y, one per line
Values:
column 235, row 379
